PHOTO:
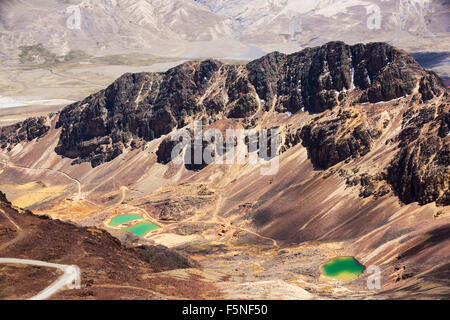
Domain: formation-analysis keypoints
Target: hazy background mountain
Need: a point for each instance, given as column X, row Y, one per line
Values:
column 219, row 28
column 67, row 49
column 408, row 24
column 108, row 26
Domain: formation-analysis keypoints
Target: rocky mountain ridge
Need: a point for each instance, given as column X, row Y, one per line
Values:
column 28, row 130
column 142, row 107
column 329, row 81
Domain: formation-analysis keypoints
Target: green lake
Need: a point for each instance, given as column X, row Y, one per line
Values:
column 117, row 221
column 343, row 268
column 142, row 229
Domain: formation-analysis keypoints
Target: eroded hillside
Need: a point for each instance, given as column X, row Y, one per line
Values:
column 363, row 169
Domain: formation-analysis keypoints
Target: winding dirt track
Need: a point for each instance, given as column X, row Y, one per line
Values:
column 21, row 235
column 71, row 274
column 78, row 183
column 76, row 79
column 228, row 224
column 12, row 221
column 69, row 279
column 214, row 219
column 111, row 286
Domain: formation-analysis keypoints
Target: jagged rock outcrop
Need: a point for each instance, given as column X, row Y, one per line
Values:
column 292, row 138
column 331, row 139
column 164, row 152
column 369, row 185
column 3, row 198
column 144, row 106
column 166, row 147
column 316, row 78
column 141, row 107
column 27, row 130
column 421, row 169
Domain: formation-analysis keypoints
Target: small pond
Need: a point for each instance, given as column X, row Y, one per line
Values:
column 117, row 221
column 343, row 268
column 142, row 229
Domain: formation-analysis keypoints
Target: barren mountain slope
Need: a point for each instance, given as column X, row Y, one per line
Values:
column 363, row 170
column 109, row 269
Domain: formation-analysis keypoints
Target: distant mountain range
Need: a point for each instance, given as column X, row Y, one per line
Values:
column 219, row 28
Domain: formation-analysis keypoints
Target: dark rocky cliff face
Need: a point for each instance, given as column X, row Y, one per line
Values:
column 138, row 108
column 141, row 107
column 314, row 78
column 28, row 130
column 421, row 169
